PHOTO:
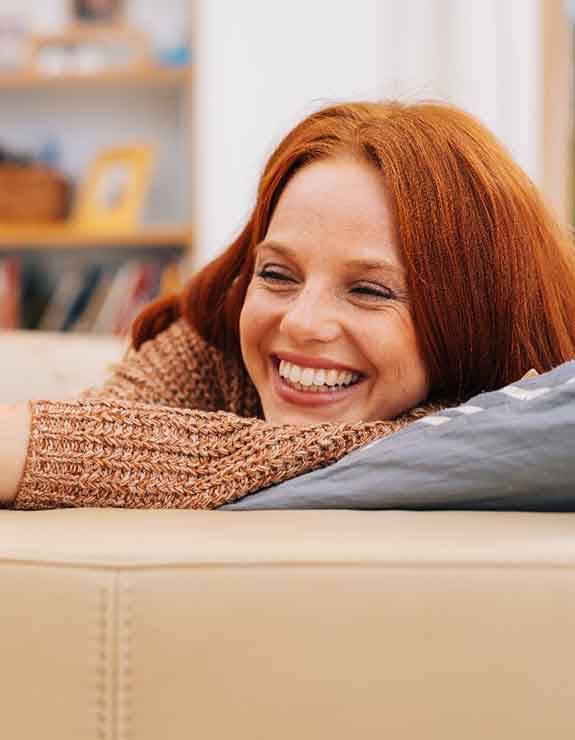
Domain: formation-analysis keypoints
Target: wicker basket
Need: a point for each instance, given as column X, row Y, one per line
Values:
column 32, row 194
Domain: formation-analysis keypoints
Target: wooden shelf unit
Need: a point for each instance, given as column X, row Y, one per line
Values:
column 68, row 237
column 147, row 76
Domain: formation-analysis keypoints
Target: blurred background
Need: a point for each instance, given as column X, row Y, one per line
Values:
column 132, row 132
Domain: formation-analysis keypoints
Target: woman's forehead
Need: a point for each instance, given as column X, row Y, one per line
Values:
column 347, row 191
column 340, row 207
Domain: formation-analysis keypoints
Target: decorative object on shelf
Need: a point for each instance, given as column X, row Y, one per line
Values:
column 171, row 46
column 30, row 191
column 113, row 194
column 89, row 51
column 13, row 43
column 99, row 12
column 10, row 156
column 177, row 56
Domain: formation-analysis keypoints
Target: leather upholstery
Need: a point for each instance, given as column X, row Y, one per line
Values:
column 141, row 625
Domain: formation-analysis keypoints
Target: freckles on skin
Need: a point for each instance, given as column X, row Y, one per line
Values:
column 329, row 287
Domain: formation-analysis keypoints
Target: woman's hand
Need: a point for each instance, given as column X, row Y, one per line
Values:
column 14, row 435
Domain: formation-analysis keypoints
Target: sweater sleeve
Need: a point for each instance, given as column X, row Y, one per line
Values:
column 117, row 453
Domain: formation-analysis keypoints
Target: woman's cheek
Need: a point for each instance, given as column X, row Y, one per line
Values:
column 253, row 321
column 245, row 330
column 259, row 309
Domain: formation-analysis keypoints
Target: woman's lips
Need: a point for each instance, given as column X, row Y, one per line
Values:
column 309, row 398
column 315, row 362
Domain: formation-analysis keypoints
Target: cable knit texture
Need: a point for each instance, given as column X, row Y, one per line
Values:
column 177, row 425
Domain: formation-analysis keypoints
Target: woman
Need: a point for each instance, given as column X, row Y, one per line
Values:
column 396, row 261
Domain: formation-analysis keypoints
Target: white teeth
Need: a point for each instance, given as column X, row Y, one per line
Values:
column 319, row 377
column 331, row 377
column 294, row 373
column 307, row 376
column 313, row 379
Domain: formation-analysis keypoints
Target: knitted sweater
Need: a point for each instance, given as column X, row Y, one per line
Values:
column 177, row 425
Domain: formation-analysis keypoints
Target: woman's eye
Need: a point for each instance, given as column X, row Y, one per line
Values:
column 374, row 291
column 274, row 276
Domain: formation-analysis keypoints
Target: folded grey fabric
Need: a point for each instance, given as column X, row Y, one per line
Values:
column 510, row 449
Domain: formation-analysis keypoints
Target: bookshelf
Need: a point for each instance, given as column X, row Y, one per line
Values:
column 19, row 238
column 149, row 76
column 65, row 277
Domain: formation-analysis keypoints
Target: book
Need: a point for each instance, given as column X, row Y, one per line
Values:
column 10, row 281
column 122, row 285
column 139, row 294
column 85, row 323
column 91, row 278
column 67, row 289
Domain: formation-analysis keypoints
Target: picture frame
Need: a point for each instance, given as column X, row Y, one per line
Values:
column 96, row 12
column 113, row 194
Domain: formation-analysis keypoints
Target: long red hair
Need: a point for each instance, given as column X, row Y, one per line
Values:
column 491, row 275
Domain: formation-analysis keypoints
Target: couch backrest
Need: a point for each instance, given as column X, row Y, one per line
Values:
column 316, row 625
column 50, row 365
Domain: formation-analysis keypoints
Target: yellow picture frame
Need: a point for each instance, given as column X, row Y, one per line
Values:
column 113, row 194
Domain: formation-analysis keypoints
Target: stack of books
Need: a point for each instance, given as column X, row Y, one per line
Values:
column 91, row 299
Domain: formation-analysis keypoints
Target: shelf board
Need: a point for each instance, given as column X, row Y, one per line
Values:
column 70, row 237
column 147, row 77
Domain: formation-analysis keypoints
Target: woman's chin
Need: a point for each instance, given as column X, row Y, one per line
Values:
column 306, row 416
column 295, row 419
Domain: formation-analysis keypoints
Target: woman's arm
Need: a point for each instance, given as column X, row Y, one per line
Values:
column 14, row 436
column 115, row 453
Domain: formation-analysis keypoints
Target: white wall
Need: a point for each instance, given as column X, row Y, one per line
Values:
column 261, row 67
column 482, row 56
column 264, row 65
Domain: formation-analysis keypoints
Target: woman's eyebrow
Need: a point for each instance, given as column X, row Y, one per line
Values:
column 276, row 247
column 361, row 264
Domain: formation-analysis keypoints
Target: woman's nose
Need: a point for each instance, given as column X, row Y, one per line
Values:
column 311, row 316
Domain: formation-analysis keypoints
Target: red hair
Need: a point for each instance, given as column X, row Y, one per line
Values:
column 491, row 275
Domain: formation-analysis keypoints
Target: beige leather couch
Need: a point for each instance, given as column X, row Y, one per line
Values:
column 285, row 625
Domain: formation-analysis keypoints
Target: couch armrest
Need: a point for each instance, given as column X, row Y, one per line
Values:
column 286, row 624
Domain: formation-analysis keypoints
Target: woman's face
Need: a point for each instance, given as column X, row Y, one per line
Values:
column 326, row 329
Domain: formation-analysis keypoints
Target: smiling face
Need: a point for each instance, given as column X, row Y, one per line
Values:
column 326, row 330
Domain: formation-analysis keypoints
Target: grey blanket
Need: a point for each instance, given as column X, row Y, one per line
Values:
column 509, row 449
